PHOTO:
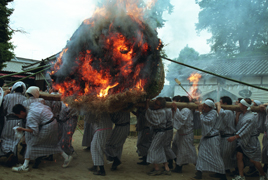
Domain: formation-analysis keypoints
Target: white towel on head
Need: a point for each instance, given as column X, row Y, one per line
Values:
column 210, row 104
column 19, row 84
column 33, row 90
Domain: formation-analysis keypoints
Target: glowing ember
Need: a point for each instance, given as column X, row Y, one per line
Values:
column 194, row 78
column 110, row 53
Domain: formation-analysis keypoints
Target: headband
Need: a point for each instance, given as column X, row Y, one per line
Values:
column 246, row 104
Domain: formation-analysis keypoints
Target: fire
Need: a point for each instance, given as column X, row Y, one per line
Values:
column 112, row 52
column 104, row 92
column 194, row 78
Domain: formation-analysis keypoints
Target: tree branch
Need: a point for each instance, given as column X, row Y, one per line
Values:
column 17, row 30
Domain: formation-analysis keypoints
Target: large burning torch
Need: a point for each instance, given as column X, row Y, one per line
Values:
column 111, row 62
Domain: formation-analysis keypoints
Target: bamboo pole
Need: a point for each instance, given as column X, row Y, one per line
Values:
column 25, row 71
column 208, row 72
column 27, row 77
column 45, row 78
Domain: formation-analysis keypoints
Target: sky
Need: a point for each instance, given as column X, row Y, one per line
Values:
column 49, row 24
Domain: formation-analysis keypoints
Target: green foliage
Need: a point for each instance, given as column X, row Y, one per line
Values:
column 237, row 26
column 187, row 54
column 6, row 47
column 155, row 13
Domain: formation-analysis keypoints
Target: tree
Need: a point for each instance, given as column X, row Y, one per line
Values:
column 6, row 47
column 237, row 26
column 187, row 54
column 155, row 12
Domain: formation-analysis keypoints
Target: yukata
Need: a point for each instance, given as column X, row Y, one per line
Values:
column 169, row 135
column 2, row 118
column 68, row 117
column 227, row 130
column 209, row 155
column 30, row 100
column 102, row 127
column 262, row 118
column 42, row 141
column 145, row 133
column 88, row 132
column 8, row 141
column 247, row 130
column 114, row 144
column 158, row 120
column 55, row 107
column 183, row 122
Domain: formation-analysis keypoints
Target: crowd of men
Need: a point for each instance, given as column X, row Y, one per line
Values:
column 229, row 139
column 43, row 127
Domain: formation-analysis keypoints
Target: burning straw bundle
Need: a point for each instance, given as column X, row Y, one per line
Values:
column 111, row 62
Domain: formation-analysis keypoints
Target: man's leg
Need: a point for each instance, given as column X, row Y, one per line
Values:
column 67, row 159
column 24, row 167
column 240, row 163
column 258, row 166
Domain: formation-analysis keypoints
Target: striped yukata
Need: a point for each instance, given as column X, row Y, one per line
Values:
column 8, row 141
column 102, row 127
column 209, row 155
column 88, row 132
column 2, row 118
column 264, row 155
column 169, row 135
column 262, row 129
column 247, row 130
column 158, row 120
column 115, row 143
column 145, row 133
column 197, row 121
column 265, row 143
column 68, row 117
column 42, row 141
column 183, row 122
column 30, row 100
column 55, row 107
column 227, row 130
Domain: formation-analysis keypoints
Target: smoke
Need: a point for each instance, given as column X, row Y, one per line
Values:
column 114, row 46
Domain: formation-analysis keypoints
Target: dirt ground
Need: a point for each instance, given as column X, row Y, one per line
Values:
column 78, row 167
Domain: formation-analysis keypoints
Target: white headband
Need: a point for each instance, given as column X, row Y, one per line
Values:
column 257, row 102
column 245, row 104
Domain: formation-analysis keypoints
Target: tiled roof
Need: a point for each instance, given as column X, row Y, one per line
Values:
column 229, row 68
column 239, row 67
column 15, row 65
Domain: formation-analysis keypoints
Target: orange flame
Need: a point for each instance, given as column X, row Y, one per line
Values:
column 99, row 81
column 104, row 92
column 194, row 78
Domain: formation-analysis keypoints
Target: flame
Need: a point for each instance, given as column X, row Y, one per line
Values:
column 104, row 92
column 119, row 50
column 194, row 78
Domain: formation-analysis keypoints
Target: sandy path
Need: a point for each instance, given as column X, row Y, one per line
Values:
column 78, row 168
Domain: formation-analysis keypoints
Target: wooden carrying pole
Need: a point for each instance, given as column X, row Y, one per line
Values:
column 180, row 105
column 51, row 97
